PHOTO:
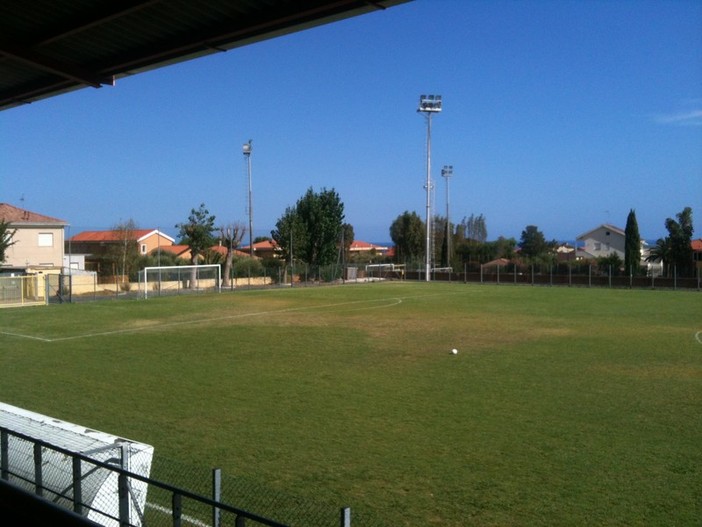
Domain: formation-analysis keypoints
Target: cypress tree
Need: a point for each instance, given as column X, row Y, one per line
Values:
column 632, row 245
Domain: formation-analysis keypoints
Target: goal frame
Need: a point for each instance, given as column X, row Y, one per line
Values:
column 182, row 272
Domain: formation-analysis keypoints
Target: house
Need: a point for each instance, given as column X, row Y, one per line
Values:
column 603, row 241
column 38, row 241
column 96, row 246
column 360, row 247
column 97, row 243
column 179, row 251
column 222, row 250
column 263, row 249
column 697, row 253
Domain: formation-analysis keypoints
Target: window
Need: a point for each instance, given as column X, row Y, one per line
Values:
column 46, row 239
column 143, row 248
column 598, row 246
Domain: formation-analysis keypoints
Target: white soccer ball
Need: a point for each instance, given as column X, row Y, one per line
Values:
column 454, row 351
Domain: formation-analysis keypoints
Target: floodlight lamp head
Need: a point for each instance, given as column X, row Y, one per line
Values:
column 447, row 170
column 429, row 103
column 246, row 148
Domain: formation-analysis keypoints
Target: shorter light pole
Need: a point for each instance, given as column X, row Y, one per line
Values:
column 247, row 149
column 447, row 172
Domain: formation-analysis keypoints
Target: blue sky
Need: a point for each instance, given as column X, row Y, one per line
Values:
column 559, row 114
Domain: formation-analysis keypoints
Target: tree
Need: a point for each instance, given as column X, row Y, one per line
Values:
column 289, row 234
column 680, row 234
column 196, row 233
column 125, row 254
column 6, row 240
column 632, row 244
column 662, row 252
column 472, row 251
column 533, row 243
column 610, row 263
column 347, row 238
column 407, row 233
column 322, row 215
column 475, row 228
column 675, row 250
column 311, row 230
column 230, row 236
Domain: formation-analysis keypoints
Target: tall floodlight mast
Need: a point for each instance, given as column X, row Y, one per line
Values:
column 446, row 173
column 429, row 105
column 247, row 149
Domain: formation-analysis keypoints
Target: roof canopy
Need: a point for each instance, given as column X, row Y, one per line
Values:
column 49, row 47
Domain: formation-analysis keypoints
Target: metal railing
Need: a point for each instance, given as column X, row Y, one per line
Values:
column 167, row 504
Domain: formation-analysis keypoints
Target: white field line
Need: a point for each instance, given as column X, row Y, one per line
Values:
column 392, row 302
column 24, row 336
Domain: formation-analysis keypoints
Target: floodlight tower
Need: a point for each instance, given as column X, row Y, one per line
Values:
column 429, row 105
column 247, row 149
column 446, row 173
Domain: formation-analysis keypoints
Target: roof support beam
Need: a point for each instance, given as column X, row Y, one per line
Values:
column 62, row 69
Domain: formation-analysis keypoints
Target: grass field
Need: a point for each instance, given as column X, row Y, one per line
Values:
column 563, row 407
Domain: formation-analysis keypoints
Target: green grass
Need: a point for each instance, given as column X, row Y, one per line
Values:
column 563, row 407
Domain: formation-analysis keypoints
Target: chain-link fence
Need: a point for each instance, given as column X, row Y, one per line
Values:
column 583, row 275
column 113, row 486
column 255, row 496
column 22, row 290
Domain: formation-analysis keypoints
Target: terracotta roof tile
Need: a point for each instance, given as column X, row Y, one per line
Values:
column 15, row 215
column 112, row 235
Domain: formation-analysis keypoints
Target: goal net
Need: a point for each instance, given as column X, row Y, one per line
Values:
column 179, row 279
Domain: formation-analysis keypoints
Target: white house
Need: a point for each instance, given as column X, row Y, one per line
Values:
column 603, row 241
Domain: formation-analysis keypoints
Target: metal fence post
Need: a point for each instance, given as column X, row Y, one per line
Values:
column 77, row 487
column 216, row 495
column 177, row 509
column 345, row 519
column 631, row 276
column 38, row 481
column 123, row 491
column 4, row 455
column 675, row 277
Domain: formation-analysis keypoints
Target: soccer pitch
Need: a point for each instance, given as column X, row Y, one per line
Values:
column 563, row 406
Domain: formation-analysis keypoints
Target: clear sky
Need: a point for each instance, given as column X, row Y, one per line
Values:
column 560, row 114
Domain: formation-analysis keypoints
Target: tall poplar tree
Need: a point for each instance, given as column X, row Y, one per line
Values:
column 313, row 227
column 632, row 244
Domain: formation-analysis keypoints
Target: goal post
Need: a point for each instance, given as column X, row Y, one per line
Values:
column 179, row 279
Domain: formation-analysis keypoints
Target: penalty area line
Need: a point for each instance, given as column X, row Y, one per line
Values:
column 22, row 336
column 393, row 301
